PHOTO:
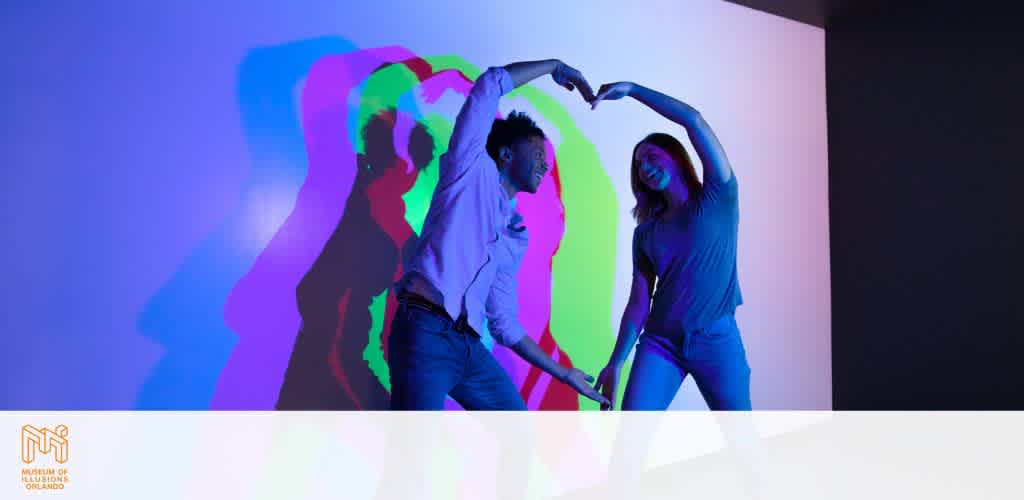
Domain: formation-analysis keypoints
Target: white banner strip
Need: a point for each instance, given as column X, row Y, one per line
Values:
column 383, row 455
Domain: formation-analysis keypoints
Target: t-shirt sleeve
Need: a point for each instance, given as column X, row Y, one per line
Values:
column 641, row 262
column 721, row 193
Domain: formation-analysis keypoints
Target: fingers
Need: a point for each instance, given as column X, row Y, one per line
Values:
column 609, row 92
column 609, row 405
column 592, row 394
column 609, row 386
column 602, row 93
column 598, row 396
column 609, row 394
column 587, row 94
column 571, row 79
column 585, row 388
column 579, row 82
column 585, row 89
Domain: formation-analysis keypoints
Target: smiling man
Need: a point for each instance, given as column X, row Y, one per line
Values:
column 463, row 270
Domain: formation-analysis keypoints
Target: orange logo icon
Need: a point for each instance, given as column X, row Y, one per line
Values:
column 44, row 440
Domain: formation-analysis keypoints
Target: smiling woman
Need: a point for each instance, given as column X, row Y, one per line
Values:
column 685, row 243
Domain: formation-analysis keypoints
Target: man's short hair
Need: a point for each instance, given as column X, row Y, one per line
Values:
column 512, row 130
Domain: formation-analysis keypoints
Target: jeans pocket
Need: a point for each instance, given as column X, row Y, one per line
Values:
column 720, row 330
column 420, row 333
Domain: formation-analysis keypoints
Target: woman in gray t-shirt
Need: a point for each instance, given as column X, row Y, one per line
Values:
column 685, row 243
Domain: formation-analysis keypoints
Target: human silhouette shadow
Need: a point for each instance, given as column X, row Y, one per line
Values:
column 185, row 316
column 360, row 261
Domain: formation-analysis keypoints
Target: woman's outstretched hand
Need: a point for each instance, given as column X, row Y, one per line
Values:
column 611, row 92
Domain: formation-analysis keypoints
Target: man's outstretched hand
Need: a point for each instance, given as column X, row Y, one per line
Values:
column 571, row 79
column 581, row 382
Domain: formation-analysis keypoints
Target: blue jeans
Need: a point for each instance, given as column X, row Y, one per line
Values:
column 713, row 355
column 428, row 360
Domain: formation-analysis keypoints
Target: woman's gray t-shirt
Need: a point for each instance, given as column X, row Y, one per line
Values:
column 693, row 254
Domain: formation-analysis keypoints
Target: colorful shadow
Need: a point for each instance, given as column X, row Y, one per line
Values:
column 186, row 316
column 312, row 313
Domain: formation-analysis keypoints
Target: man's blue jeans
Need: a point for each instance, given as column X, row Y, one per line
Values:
column 429, row 359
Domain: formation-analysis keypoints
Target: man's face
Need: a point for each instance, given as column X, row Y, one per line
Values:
column 528, row 164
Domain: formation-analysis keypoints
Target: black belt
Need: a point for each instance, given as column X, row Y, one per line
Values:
column 418, row 301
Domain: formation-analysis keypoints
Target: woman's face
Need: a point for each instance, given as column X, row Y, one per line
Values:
column 656, row 169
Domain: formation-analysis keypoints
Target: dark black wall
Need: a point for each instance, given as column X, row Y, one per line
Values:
column 926, row 182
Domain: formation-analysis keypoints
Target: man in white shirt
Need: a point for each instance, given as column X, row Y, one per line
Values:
column 463, row 270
